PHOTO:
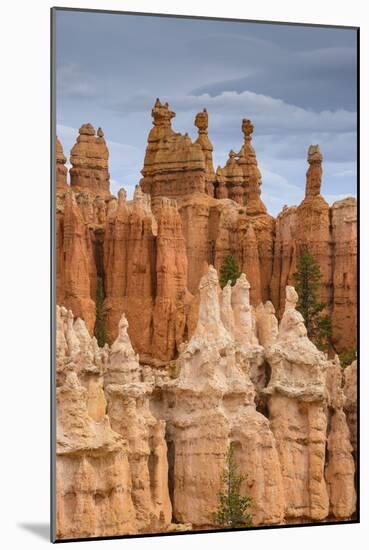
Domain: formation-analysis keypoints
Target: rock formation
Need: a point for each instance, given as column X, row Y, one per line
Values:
column 251, row 173
column 147, row 450
column 89, row 160
column 340, row 467
column 344, row 264
column 350, row 406
column 299, row 394
column 75, row 266
column 201, row 122
column 221, row 213
column 111, row 453
column 146, row 276
column 172, row 297
column 129, row 267
column 128, row 410
column 234, row 179
column 173, row 166
column 329, row 233
column 214, row 405
column 93, row 485
column 61, row 169
column 144, row 425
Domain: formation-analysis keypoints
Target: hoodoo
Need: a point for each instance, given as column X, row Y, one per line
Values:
column 184, row 368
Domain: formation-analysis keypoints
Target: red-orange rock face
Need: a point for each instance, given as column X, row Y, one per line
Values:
column 75, row 266
column 129, row 268
column 201, row 122
column 89, row 159
column 329, row 233
column 173, row 166
column 61, row 169
column 220, row 214
column 146, row 277
column 172, row 297
column 344, row 240
column 190, row 367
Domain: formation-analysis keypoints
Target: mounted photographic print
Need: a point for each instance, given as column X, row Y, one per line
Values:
column 204, row 250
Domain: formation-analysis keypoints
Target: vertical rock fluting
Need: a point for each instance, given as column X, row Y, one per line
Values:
column 130, row 416
column 298, row 398
column 350, row 407
column 251, row 173
column 172, row 297
column 284, row 257
column 61, row 169
column 251, row 263
column 213, row 405
column 129, row 267
column 201, row 122
column 93, row 481
column 234, row 179
column 146, row 275
column 75, row 267
column 329, row 233
column 344, row 310
column 297, row 414
column 112, row 467
column 174, row 167
column 340, row 467
column 306, row 227
column 89, row 160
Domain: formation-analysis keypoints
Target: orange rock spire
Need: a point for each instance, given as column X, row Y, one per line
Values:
column 89, row 159
column 201, row 122
column 61, row 169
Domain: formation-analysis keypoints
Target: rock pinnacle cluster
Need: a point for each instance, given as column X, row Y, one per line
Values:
column 144, row 418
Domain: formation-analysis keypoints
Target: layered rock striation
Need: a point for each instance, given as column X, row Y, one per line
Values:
column 111, row 464
column 305, row 403
column 221, row 213
column 140, row 449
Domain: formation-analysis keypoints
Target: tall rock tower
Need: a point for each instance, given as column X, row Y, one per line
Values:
column 89, row 159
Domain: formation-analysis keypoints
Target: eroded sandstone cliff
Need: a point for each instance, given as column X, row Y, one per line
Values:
column 144, row 423
column 140, row 448
column 220, row 213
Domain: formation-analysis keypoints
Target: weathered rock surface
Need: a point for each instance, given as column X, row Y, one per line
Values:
column 329, row 233
column 89, row 160
column 130, row 416
column 146, row 276
column 214, row 405
column 344, row 308
column 222, row 213
column 61, row 169
column 143, row 426
column 93, row 483
column 351, row 392
column 301, row 422
column 173, row 166
column 201, row 122
column 112, row 465
column 75, row 266
column 340, row 467
column 129, row 267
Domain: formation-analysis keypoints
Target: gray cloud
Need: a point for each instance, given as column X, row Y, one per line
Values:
column 297, row 85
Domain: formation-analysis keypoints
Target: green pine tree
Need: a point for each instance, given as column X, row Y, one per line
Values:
column 100, row 329
column 347, row 357
column 233, row 508
column 229, row 271
column 308, row 282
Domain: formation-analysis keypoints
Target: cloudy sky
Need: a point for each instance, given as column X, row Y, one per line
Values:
column 297, row 84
